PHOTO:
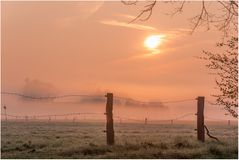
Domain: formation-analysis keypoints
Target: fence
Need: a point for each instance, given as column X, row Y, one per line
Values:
column 109, row 113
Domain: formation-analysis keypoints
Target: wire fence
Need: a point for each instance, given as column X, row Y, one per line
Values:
column 163, row 102
column 50, row 116
column 82, row 115
column 89, row 116
column 170, row 119
column 48, row 97
column 88, row 95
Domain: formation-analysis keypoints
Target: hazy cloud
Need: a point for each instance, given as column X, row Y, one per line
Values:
column 86, row 9
column 128, row 25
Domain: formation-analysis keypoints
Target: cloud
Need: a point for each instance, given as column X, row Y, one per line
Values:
column 86, row 9
column 127, row 16
column 128, row 25
column 78, row 13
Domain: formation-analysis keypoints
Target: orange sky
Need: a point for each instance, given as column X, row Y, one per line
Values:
column 89, row 47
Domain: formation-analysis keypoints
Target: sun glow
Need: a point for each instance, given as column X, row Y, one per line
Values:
column 152, row 42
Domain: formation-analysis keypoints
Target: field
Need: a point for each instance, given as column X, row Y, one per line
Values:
column 87, row 140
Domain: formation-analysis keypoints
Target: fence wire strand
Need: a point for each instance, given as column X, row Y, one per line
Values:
column 177, row 118
column 215, row 119
column 93, row 96
column 101, row 113
column 49, row 97
column 164, row 102
column 55, row 115
column 100, row 96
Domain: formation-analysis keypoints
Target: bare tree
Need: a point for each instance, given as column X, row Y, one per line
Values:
column 225, row 19
column 223, row 64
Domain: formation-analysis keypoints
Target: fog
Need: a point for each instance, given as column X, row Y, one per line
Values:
column 62, row 48
column 24, row 107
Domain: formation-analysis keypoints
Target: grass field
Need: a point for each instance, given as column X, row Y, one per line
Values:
column 87, row 140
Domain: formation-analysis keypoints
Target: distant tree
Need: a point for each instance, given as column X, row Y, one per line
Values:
column 223, row 64
column 37, row 88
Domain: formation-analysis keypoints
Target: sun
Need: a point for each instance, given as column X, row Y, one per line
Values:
column 152, row 42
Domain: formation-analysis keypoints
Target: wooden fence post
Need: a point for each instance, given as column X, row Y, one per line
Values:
column 49, row 120
column 200, row 119
column 171, row 121
column 5, row 112
column 109, row 119
column 26, row 118
column 145, row 121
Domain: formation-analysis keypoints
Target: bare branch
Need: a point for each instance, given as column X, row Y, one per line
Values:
column 225, row 20
column 148, row 10
column 234, row 3
column 203, row 17
column 179, row 9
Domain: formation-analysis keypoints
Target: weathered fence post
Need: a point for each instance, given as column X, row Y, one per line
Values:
column 26, row 118
column 49, row 120
column 171, row 121
column 109, row 119
column 228, row 122
column 5, row 112
column 145, row 121
column 200, row 119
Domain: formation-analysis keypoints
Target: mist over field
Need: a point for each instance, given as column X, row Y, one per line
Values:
column 25, row 107
column 119, row 79
column 123, row 106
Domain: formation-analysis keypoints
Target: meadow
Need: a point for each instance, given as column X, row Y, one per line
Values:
column 132, row 140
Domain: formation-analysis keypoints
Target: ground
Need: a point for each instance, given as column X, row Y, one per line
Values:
column 87, row 140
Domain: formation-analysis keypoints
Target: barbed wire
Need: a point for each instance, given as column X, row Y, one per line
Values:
column 145, row 102
column 50, row 97
column 9, row 115
column 183, row 116
column 53, row 115
column 209, row 102
column 178, row 101
column 177, row 118
column 101, row 96
column 130, row 119
column 94, row 96
column 215, row 104
column 101, row 113
column 215, row 119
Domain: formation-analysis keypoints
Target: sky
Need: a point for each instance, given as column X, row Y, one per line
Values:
column 91, row 48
